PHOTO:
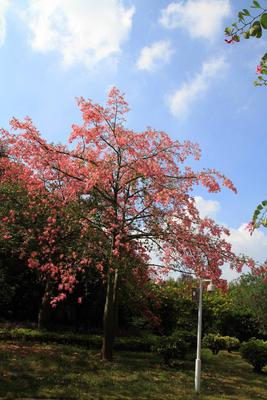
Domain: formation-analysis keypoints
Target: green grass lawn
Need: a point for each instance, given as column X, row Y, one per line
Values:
column 67, row 372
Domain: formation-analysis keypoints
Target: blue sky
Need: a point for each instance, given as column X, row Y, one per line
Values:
column 178, row 74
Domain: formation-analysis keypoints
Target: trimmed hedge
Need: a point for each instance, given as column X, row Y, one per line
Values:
column 175, row 346
column 90, row 341
column 255, row 353
column 215, row 343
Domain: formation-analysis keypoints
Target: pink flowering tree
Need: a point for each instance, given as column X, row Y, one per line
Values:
column 44, row 232
column 141, row 185
column 251, row 24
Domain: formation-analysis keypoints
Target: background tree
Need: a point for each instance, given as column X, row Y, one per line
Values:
column 249, row 295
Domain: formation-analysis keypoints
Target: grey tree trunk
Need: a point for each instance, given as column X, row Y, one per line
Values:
column 110, row 317
column 44, row 315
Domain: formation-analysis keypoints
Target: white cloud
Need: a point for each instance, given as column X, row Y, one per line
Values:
column 207, row 208
column 180, row 102
column 3, row 8
column 254, row 245
column 201, row 18
column 82, row 31
column 157, row 54
column 242, row 242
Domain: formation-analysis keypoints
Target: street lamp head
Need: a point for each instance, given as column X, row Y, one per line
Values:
column 211, row 288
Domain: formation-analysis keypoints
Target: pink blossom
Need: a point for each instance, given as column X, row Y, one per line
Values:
column 259, row 69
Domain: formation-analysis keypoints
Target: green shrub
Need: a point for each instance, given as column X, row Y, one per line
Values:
column 214, row 342
column 231, row 343
column 175, row 346
column 255, row 353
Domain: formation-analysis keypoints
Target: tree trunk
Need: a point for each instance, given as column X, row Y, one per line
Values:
column 44, row 315
column 109, row 318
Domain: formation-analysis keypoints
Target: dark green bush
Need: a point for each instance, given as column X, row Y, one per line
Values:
column 255, row 353
column 175, row 346
column 215, row 343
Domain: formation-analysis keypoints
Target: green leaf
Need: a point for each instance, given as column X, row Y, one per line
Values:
column 256, row 4
column 264, row 203
column 228, row 30
column 246, row 12
column 263, row 20
column 264, row 57
column 256, row 30
column 246, row 35
column 234, row 25
column 240, row 16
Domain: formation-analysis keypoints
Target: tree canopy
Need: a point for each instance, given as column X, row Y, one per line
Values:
column 119, row 195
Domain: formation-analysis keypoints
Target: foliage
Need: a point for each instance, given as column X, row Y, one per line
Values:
column 239, row 324
column 20, row 290
column 175, row 309
column 216, row 308
column 251, row 23
column 175, row 346
column 232, row 343
column 249, row 296
column 255, row 352
column 259, row 216
column 216, row 342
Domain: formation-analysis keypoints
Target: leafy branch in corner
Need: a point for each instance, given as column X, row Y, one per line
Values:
column 251, row 25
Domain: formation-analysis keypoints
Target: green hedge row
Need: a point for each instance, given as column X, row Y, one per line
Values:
column 90, row 341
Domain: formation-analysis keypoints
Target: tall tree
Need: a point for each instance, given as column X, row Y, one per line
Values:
column 142, row 186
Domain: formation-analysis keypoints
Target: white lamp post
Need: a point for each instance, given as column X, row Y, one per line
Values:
column 210, row 288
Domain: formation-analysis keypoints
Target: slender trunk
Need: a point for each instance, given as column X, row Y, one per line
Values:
column 109, row 318
column 44, row 315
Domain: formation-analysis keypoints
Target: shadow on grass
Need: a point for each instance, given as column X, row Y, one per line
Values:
column 228, row 375
column 65, row 372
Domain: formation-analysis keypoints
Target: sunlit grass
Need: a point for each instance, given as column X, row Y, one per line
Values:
column 67, row 372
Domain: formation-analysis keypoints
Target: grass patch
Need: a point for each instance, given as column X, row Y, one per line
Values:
column 39, row 370
column 143, row 343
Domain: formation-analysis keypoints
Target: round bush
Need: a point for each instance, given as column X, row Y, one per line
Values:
column 255, row 353
column 214, row 342
column 175, row 346
column 231, row 343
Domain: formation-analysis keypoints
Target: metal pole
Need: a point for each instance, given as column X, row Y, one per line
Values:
column 199, row 332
